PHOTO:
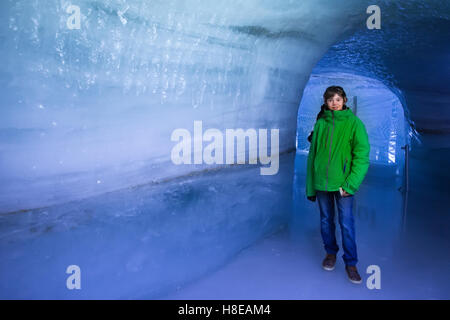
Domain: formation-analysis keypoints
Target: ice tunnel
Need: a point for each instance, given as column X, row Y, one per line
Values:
column 384, row 120
column 159, row 147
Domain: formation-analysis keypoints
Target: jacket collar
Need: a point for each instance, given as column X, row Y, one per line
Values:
column 343, row 114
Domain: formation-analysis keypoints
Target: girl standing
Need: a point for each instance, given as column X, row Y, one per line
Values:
column 338, row 161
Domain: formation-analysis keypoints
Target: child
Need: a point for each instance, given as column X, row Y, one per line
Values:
column 338, row 161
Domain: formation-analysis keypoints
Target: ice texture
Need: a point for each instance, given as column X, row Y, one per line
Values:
column 87, row 114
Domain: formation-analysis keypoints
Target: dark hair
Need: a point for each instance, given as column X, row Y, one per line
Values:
column 329, row 93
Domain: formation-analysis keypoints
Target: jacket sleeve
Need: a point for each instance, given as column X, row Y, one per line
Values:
column 360, row 159
column 310, row 191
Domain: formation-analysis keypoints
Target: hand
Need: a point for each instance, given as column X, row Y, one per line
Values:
column 345, row 193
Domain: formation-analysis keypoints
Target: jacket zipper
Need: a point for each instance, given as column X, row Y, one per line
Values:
column 345, row 164
column 329, row 152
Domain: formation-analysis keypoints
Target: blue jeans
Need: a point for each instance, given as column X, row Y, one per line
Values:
column 346, row 222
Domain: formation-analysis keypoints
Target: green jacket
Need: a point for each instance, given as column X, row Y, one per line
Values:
column 339, row 153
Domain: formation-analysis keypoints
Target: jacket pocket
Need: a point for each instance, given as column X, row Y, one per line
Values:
column 345, row 164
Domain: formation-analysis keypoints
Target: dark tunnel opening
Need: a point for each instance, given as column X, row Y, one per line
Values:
column 403, row 74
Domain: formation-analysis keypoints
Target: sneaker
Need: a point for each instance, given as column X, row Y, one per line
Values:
column 353, row 274
column 329, row 262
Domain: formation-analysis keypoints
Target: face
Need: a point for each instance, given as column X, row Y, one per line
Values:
column 335, row 103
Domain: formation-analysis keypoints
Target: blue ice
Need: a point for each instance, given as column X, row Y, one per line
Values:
column 85, row 151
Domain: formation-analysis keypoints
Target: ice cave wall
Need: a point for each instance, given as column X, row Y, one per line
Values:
column 90, row 110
